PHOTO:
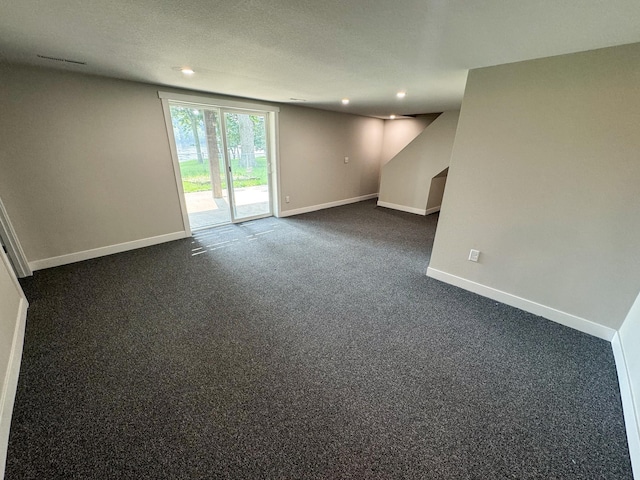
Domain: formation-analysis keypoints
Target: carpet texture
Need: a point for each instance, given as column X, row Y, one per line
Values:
column 311, row 347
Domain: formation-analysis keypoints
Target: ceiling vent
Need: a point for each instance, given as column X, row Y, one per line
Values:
column 64, row 60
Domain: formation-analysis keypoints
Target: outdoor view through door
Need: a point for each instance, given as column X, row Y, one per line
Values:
column 224, row 163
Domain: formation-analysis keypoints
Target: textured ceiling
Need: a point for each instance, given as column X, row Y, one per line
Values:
column 316, row 50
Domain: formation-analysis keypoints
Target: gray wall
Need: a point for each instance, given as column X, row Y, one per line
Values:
column 544, row 181
column 400, row 132
column 436, row 191
column 85, row 160
column 313, row 144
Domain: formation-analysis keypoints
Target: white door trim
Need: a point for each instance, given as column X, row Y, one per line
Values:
column 217, row 102
column 9, row 382
column 628, row 405
column 176, row 165
column 14, row 249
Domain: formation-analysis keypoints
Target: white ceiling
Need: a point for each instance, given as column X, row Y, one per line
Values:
column 316, row 50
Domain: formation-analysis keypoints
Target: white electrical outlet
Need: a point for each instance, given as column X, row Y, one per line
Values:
column 346, row 159
column 474, row 255
column 286, row 199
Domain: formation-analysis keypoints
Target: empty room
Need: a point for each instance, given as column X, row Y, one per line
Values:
column 319, row 240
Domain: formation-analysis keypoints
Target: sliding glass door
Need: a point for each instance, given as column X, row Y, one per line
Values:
column 224, row 163
column 248, row 157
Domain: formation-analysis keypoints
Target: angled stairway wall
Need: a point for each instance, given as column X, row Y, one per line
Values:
column 416, row 176
column 400, row 132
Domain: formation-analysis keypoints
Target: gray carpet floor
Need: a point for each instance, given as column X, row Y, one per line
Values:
column 311, row 347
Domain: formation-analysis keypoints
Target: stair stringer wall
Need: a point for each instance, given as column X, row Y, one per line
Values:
column 406, row 179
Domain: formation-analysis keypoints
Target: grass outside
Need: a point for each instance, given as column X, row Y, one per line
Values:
column 196, row 176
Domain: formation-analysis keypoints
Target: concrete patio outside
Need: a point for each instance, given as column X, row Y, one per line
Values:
column 205, row 211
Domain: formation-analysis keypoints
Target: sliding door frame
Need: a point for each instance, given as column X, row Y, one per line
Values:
column 271, row 122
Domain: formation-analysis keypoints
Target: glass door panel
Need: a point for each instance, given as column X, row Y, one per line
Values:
column 198, row 139
column 248, row 157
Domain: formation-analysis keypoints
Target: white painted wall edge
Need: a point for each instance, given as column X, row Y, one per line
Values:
column 11, row 384
column 628, row 405
column 322, row 206
column 550, row 313
column 402, row 208
column 103, row 251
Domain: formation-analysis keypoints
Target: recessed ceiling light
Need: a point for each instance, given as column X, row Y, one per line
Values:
column 345, row 101
column 187, row 71
column 401, row 94
column 392, row 117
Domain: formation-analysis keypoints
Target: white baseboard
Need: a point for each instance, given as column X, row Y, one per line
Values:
column 433, row 210
column 103, row 251
column 628, row 405
column 558, row 316
column 10, row 386
column 322, row 206
column 403, row 208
